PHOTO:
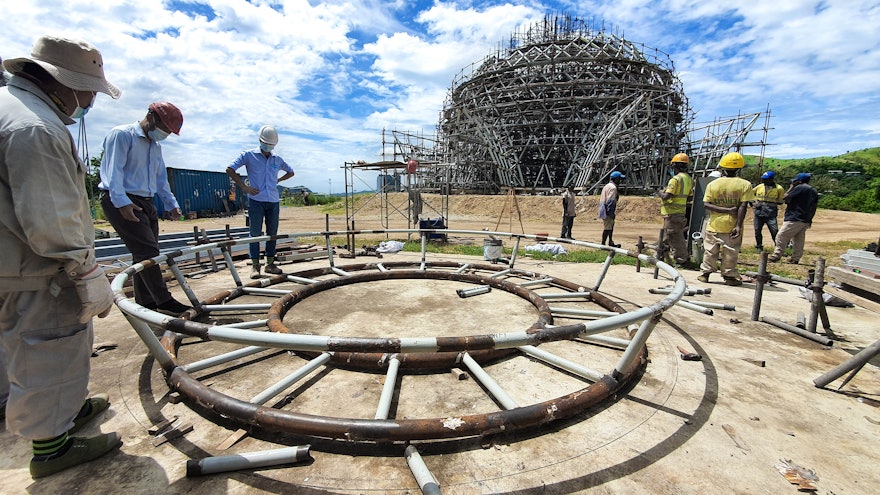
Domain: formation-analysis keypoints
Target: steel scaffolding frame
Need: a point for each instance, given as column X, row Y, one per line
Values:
column 564, row 104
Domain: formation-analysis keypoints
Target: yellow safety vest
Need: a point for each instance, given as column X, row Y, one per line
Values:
column 772, row 195
column 681, row 189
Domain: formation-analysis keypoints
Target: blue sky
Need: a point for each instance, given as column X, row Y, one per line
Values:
column 332, row 75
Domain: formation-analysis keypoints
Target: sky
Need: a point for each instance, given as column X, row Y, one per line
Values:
column 331, row 76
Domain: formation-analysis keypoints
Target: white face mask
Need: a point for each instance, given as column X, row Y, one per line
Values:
column 80, row 112
column 157, row 134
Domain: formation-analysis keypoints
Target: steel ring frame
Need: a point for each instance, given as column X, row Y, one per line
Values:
column 640, row 323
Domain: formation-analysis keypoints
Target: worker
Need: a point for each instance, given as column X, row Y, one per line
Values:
column 801, row 201
column 262, row 167
column 726, row 200
column 569, row 211
column 675, row 198
column 50, row 284
column 132, row 173
column 608, row 207
column 768, row 197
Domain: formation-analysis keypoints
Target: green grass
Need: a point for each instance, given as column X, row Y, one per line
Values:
column 573, row 256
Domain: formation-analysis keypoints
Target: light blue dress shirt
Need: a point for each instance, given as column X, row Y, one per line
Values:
column 133, row 164
column 262, row 173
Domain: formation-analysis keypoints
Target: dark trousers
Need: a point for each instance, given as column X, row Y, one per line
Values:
column 258, row 211
column 772, row 226
column 142, row 240
column 567, row 224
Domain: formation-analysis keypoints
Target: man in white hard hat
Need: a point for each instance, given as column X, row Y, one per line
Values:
column 50, row 285
column 262, row 167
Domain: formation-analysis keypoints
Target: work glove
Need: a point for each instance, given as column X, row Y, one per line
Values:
column 94, row 293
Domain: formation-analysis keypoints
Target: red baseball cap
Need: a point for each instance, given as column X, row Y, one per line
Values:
column 169, row 115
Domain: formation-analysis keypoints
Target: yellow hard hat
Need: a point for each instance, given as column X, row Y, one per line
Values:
column 680, row 158
column 732, row 160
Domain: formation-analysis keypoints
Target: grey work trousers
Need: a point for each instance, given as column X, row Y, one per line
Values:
column 44, row 359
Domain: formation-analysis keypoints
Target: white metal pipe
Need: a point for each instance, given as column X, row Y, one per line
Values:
column 475, row 291
column 563, row 363
column 541, row 281
column 581, row 312
column 501, row 273
column 487, row 381
column 638, row 341
column 565, row 295
column 694, row 307
column 463, row 268
column 264, row 292
column 713, row 305
column 605, row 340
column 248, row 460
column 340, row 272
column 222, row 359
column 427, row 483
column 227, row 255
column 290, row 379
column 213, row 308
column 388, row 389
column 382, row 268
column 301, row 280
column 605, row 268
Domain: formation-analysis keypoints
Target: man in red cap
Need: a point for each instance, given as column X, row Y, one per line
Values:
column 50, row 285
column 132, row 172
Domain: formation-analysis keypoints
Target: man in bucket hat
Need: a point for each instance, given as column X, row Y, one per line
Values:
column 132, row 172
column 50, row 284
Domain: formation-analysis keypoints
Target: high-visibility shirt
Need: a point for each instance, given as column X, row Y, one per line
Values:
column 769, row 195
column 681, row 187
column 726, row 192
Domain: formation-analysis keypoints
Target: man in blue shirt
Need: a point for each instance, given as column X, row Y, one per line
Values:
column 132, row 172
column 263, row 200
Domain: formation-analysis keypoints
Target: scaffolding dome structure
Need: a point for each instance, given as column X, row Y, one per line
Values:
column 563, row 104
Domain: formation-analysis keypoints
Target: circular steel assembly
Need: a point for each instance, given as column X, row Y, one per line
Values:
column 579, row 334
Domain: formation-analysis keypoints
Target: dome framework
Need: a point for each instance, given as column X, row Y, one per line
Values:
column 564, row 104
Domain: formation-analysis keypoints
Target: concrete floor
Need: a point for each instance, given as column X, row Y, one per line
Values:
column 720, row 425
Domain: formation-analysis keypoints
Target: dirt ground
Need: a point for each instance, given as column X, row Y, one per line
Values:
column 723, row 424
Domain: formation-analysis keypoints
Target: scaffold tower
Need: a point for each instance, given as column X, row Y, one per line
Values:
column 564, row 104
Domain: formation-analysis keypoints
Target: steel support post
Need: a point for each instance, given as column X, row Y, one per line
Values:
column 604, row 271
column 227, row 255
column 222, row 359
column 388, row 389
column 799, row 331
column 638, row 341
column 760, row 279
column 487, row 381
column 181, row 280
column 290, row 379
column 427, row 483
column 563, row 363
column 854, row 363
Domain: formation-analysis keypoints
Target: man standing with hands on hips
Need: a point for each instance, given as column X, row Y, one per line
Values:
column 132, row 172
column 263, row 200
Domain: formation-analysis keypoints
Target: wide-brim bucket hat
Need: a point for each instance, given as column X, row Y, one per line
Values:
column 73, row 63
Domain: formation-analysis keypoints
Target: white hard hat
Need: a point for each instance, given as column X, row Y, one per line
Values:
column 268, row 135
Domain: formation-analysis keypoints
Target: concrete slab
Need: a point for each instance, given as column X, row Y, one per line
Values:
column 719, row 425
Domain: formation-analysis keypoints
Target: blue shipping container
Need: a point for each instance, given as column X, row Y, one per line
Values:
column 203, row 192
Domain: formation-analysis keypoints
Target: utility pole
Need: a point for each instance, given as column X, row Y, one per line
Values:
column 329, row 187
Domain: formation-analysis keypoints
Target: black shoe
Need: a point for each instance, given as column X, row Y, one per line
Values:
column 614, row 245
column 173, row 306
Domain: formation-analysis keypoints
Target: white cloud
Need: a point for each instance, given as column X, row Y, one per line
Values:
column 332, row 74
